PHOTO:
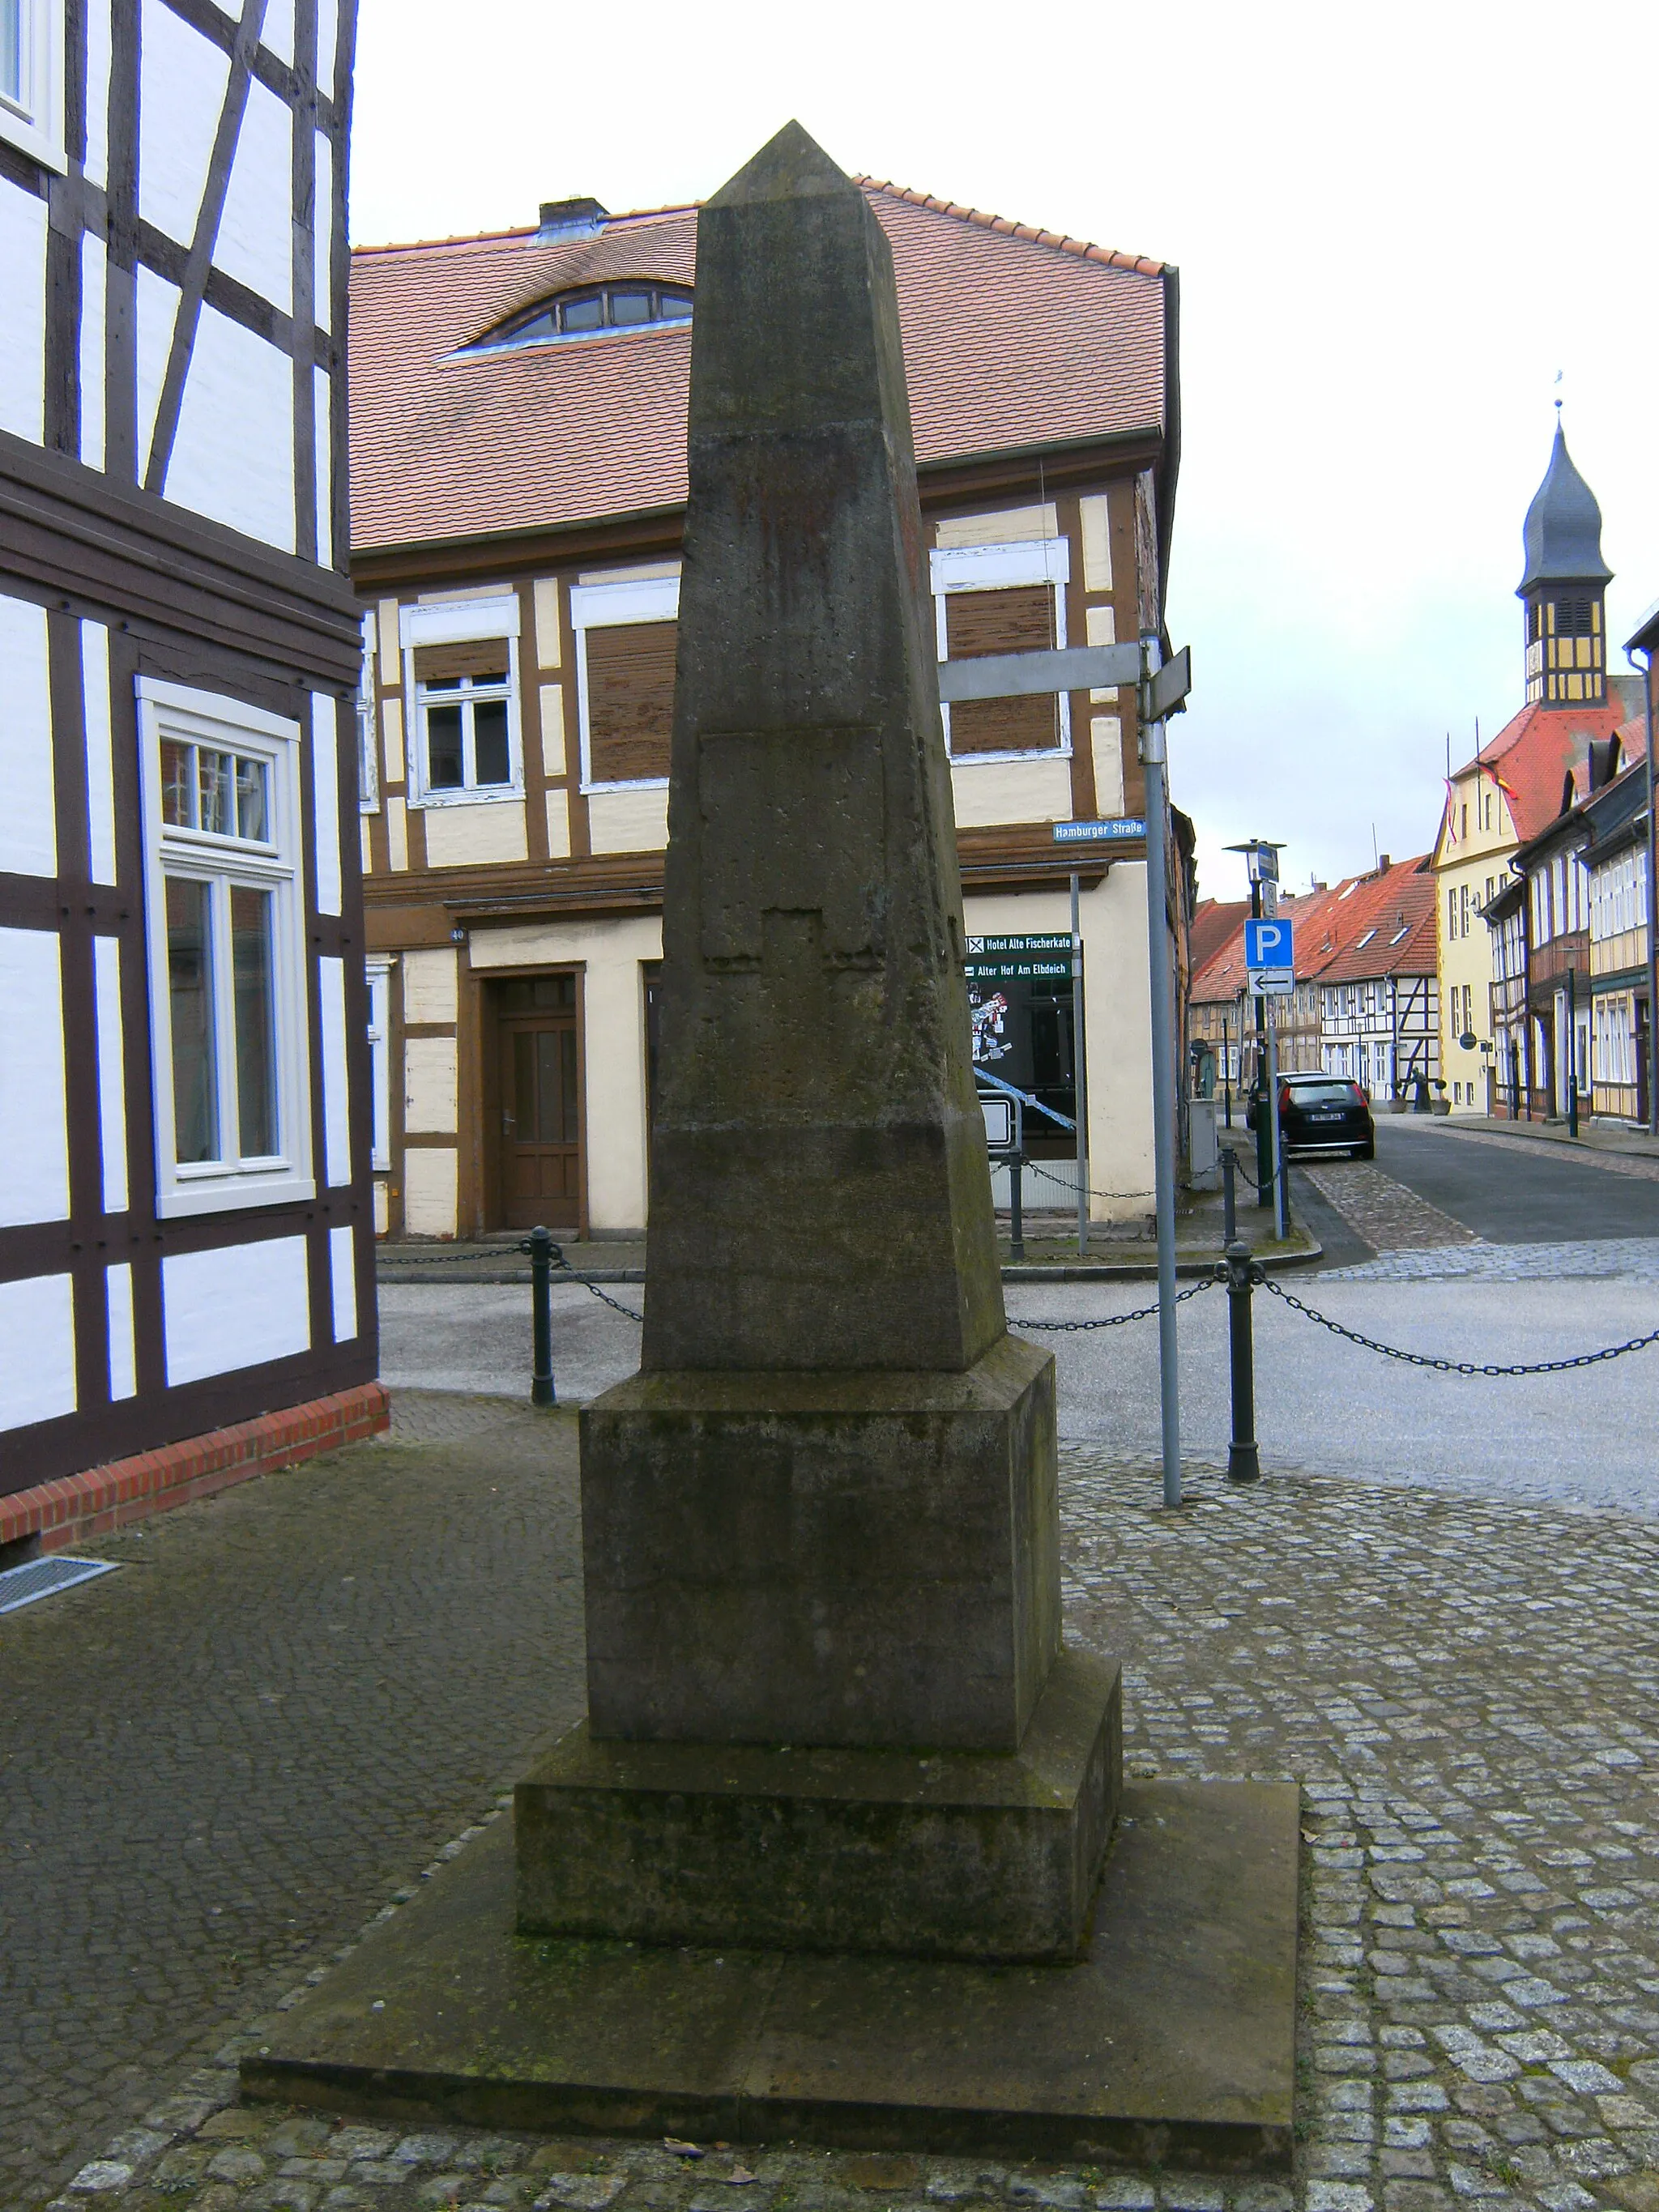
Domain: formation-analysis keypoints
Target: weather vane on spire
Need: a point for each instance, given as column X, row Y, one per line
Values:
column 1558, row 399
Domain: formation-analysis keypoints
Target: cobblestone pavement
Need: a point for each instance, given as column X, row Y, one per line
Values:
column 1381, row 1211
column 1633, row 1259
column 1479, row 1990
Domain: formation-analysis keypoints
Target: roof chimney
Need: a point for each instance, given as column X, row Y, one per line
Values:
column 561, row 220
column 1315, row 884
column 1382, row 863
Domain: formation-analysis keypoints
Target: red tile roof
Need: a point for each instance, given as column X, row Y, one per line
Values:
column 1215, row 923
column 1533, row 755
column 1013, row 337
column 1329, row 926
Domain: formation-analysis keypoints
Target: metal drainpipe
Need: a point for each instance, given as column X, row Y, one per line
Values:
column 1653, row 907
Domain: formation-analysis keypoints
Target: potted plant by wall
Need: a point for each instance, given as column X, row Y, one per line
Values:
column 1441, row 1104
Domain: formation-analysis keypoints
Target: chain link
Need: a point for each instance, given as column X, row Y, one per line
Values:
column 1117, row 1321
column 603, row 1296
column 1458, row 1366
column 1032, row 1168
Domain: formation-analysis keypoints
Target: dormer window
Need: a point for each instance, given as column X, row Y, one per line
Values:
column 629, row 305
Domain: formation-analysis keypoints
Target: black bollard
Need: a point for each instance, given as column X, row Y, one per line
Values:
column 1229, row 1196
column 541, row 1313
column 1244, row 1462
column 1015, row 1217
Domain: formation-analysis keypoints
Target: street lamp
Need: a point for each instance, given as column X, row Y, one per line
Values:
column 1261, row 866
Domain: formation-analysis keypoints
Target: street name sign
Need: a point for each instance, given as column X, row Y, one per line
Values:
column 1007, row 959
column 1167, row 693
column 1090, row 833
column 1011, row 675
column 1269, row 957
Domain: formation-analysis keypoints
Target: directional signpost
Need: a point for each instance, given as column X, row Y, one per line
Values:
column 1162, row 687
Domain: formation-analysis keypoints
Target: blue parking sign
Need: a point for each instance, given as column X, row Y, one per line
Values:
column 1268, row 944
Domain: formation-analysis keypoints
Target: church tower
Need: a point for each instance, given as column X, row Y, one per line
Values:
column 1564, row 588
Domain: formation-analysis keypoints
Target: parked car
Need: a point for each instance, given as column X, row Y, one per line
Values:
column 1321, row 1114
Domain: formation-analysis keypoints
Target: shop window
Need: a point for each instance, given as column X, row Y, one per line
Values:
column 995, row 599
column 227, row 998
column 625, row 643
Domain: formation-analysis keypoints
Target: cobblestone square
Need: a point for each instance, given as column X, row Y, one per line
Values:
column 1465, row 1689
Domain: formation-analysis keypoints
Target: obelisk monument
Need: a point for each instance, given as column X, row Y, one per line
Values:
column 827, row 1701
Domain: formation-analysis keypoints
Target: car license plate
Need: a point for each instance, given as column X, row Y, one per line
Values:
column 1337, row 1117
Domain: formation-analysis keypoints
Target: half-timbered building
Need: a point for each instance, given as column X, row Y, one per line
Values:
column 519, row 407
column 1379, row 1003
column 186, row 1285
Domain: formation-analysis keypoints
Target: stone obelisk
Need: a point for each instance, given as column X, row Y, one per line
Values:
column 826, row 1702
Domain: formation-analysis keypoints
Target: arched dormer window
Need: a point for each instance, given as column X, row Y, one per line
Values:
column 625, row 304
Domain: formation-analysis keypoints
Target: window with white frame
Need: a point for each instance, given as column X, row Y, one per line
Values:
column 461, row 681
column 626, row 635
column 1003, row 598
column 227, row 943
column 378, row 968
column 32, row 78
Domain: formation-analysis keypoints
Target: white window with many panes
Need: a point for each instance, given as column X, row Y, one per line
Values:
column 32, row 78
column 460, row 671
column 224, row 900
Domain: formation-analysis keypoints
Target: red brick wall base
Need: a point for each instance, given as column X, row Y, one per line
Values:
column 77, row 1506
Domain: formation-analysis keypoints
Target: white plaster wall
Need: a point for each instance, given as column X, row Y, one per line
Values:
column 387, row 628
column 123, row 1347
column 553, row 732
column 558, row 824
column 328, row 30
column 33, row 1139
column 94, row 270
column 37, row 1349
column 182, row 82
column 473, row 836
column 382, row 1207
column 343, row 1279
column 1117, row 1015
column 233, row 458
column 28, row 829
column 325, row 793
column 98, row 68
column 990, row 791
column 22, row 312
column 255, row 243
column 1097, row 543
column 322, row 259
column 100, row 756
column 431, row 988
column 546, row 596
column 430, row 1085
column 613, row 998
column 396, row 834
column 628, row 821
column 157, row 311
column 391, row 717
column 111, row 1071
column 1014, row 525
column 337, row 1095
column 1106, row 744
column 430, row 1173
column 322, row 431
column 276, row 32
column 236, row 1307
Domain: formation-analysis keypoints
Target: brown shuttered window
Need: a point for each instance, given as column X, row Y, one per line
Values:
column 1020, row 618
column 630, row 699
column 486, row 658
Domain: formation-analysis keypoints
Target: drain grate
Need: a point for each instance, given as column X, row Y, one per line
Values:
column 45, row 1578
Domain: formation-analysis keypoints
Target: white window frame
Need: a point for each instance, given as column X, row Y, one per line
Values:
column 995, row 568
column 604, row 607
column 461, row 622
column 34, row 124
column 378, row 969
column 185, row 1189
column 368, row 733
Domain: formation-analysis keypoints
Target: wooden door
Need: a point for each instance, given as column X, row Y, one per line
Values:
column 540, row 1097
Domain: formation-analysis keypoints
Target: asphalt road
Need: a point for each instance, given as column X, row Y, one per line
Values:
column 1510, row 1197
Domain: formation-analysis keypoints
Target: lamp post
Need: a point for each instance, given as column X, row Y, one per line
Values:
column 1261, row 866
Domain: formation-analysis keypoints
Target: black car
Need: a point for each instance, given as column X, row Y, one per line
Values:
column 1323, row 1113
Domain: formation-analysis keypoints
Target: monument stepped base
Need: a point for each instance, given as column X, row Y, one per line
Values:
column 1171, row 2041
column 953, row 1854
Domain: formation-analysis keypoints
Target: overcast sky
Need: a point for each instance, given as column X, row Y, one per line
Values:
column 1394, row 227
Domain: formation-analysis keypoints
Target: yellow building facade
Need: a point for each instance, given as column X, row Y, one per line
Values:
column 1478, row 839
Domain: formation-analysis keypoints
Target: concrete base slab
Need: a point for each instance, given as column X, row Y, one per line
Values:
column 1172, row 2041
column 947, row 1854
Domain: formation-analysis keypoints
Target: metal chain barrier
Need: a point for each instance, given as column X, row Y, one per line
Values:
column 1032, row 1168
column 1457, row 1366
column 557, row 1256
column 1117, row 1321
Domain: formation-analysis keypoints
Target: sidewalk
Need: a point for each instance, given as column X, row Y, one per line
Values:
column 1593, row 1136
column 226, row 1758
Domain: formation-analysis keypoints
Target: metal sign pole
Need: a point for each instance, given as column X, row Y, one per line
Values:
column 1079, row 1079
column 1276, row 1147
column 1152, row 758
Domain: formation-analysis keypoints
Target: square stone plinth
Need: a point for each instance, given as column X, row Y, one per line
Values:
column 964, row 1855
column 858, row 1558
column 1172, row 2041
